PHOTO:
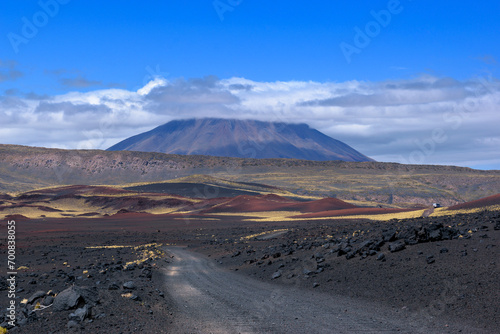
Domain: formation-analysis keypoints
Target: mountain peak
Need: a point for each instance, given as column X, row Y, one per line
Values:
column 240, row 138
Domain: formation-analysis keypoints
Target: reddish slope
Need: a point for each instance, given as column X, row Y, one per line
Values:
column 350, row 212
column 480, row 203
column 277, row 203
column 325, row 204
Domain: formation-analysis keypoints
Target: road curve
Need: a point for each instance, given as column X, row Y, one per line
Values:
column 213, row 300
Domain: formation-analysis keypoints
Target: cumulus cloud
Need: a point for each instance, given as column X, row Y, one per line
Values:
column 427, row 119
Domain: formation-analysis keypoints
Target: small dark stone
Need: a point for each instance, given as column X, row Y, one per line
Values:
column 135, row 298
column 146, row 272
column 435, row 235
column 381, row 257
column 389, row 235
column 80, row 314
column 397, row 246
column 430, row 259
column 67, row 299
column 130, row 285
column 35, row 296
column 276, row 275
column 47, row 301
column 444, row 250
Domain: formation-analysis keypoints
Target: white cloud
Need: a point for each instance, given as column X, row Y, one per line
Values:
column 389, row 121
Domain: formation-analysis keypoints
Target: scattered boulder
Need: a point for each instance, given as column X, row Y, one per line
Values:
column 35, row 296
column 67, row 299
column 276, row 275
column 397, row 246
column 74, row 296
column 307, row 271
column 48, row 300
column 435, row 235
column 146, row 272
column 130, row 285
column 80, row 314
column 130, row 266
column 389, row 235
column 344, row 249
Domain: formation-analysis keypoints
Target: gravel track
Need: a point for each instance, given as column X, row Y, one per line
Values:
column 210, row 299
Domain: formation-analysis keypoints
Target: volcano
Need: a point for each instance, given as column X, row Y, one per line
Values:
column 241, row 139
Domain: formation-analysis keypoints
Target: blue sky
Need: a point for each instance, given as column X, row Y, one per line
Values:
column 445, row 48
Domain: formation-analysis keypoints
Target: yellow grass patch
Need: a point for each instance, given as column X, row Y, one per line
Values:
column 381, row 217
column 196, row 218
column 371, row 204
column 445, row 212
column 262, row 215
column 263, row 233
column 125, row 246
column 286, row 216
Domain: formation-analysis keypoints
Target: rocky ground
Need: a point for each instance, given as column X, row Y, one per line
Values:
column 445, row 267
column 437, row 267
column 66, row 287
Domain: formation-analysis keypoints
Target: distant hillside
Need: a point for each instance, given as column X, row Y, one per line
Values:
column 241, row 139
column 25, row 168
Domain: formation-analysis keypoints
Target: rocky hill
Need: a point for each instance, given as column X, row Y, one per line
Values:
column 25, row 168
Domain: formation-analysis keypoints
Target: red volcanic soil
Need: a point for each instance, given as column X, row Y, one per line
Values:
column 16, row 217
column 350, row 212
column 451, row 278
column 480, row 203
column 204, row 204
column 325, row 204
column 260, row 203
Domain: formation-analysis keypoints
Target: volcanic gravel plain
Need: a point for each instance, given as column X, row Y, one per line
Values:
column 209, row 266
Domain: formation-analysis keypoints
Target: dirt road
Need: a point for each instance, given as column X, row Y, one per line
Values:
column 213, row 300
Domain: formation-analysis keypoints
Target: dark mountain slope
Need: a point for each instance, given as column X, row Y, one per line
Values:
column 240, row 138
